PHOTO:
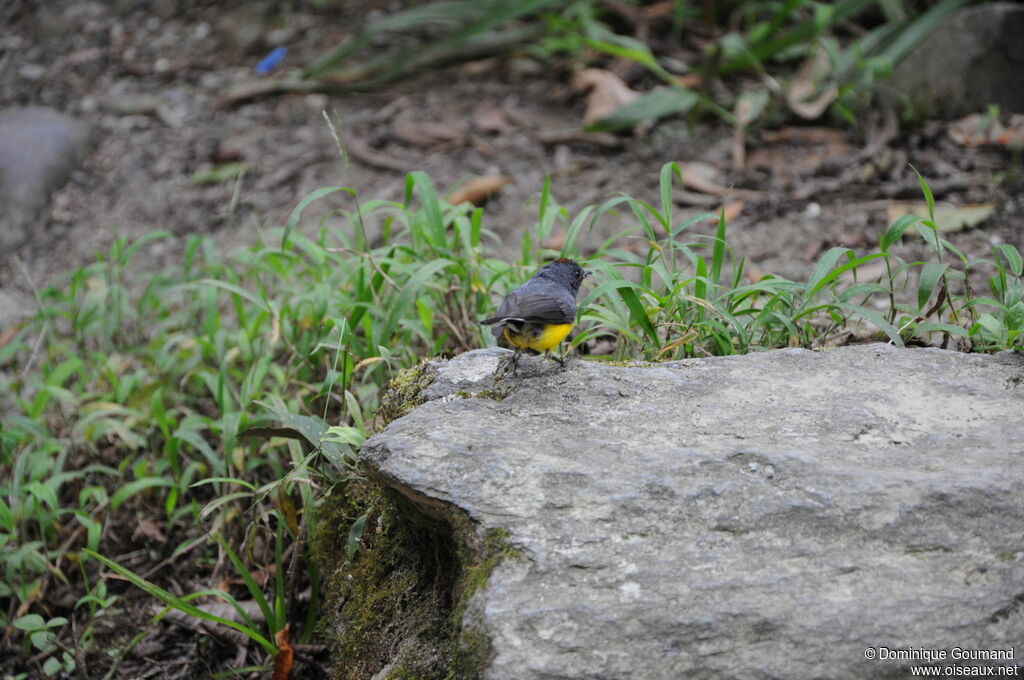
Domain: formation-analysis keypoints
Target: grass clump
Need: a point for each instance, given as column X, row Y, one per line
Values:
column 212, row 412
column 753, row 57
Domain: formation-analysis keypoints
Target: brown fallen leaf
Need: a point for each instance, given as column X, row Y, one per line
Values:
column 150, row 530
column 690, row 80
column 604, row 139
column 556, row 240
column 869, row 271
column 606, row 92
column 811, row 251
column 948, row 217
column 697, row 182
column 749, row 107
column 982, row 129
column 805, row 95
column 365, row 154
column 425, row 133
column 791, row 160
column 478, row 189
column 7, row 334
column 490, row 118
column 809, row 135
column 732, row 211
column 285, row 655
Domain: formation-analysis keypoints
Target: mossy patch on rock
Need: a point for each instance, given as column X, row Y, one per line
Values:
column 399, row 603
column 404, row 392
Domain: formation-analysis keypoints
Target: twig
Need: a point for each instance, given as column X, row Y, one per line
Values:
column 42, row 331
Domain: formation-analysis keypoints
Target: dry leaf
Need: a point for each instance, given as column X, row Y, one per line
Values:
column 150, row 530
column 556, row 240
column 980, row 130
column 796, row 157
column 375, row 159
column 804, row 95
column 553, row 137
column 478, row 189
column 732, row 211
column 694, row 180
column 490, row 118
column 287, row 507
column 606, row 92
column 7, row 334
column 695, row 176
column 690, row 80
column 811, row 251
column 285, row 655
column 948, row 217
column 424, row 133
column 870, row 271
column 807, row 135
column 749, row 107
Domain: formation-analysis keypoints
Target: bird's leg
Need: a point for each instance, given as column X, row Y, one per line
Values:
column 562, row 361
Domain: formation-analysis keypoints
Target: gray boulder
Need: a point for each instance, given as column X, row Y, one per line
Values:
column 777, row 515
column 973, row 59
column 39, row 147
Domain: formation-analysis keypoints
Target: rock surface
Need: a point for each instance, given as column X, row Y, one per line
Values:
column 972, row 60
column 39, row 147
column 770, row 515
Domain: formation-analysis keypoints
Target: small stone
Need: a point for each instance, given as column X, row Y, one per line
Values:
column 32, row 71
column 39, row 148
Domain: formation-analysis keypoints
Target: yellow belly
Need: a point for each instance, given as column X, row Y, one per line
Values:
column 544, row 340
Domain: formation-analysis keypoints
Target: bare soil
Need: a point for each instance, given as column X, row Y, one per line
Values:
column 152, row 76
column 152, row 79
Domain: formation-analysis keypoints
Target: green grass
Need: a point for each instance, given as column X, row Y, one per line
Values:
column 753, row 55
column 220, row 397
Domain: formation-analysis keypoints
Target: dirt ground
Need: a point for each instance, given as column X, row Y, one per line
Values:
column 152, row 77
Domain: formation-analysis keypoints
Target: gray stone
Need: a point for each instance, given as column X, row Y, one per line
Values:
column 39, row 147
column 764, row 516
column 974, row 58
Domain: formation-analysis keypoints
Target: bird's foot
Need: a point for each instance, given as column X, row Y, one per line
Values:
column 562, row 361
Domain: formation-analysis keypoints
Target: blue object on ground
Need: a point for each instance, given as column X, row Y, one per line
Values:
column 268, row 62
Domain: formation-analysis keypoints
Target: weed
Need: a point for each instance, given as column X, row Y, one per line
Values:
column 217, row 400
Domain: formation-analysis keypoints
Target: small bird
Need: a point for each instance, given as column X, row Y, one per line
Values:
column 538, row 315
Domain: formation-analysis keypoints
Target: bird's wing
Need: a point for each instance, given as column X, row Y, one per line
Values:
column 540, row 307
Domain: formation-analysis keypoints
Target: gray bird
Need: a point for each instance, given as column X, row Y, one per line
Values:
column 539, row 314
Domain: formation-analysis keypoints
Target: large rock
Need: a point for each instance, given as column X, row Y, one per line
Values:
column 39, row 147
column 774, row 515
column 973, row 59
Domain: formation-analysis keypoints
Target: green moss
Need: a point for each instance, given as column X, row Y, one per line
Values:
column 473, row 651
column 404, row 392
column 402, row 599
column 495, row 395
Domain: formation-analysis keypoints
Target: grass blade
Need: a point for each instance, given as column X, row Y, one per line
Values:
column 179, row 603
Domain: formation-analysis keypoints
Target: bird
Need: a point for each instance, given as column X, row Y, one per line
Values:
column 539, row 314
